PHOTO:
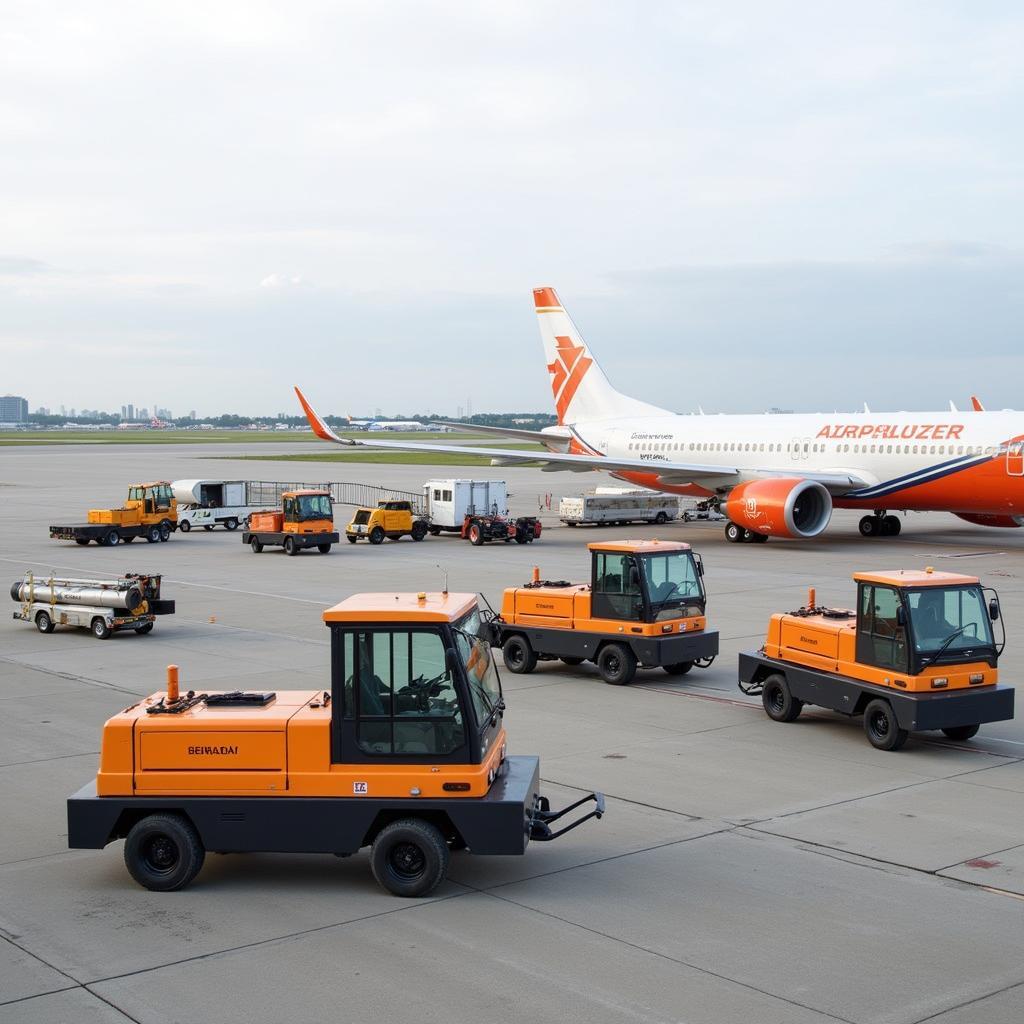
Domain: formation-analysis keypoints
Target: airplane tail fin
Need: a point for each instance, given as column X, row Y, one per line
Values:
column 581, row 390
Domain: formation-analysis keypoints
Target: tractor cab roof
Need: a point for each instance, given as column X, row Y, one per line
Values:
column 300, row 494
column 639, row 547
column 916, row 578
column 153, row 483
column 402, row 607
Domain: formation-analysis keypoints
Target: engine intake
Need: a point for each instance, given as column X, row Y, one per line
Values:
column 780, row 507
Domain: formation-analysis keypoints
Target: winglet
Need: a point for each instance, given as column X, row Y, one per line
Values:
column 320, row 428
column 978, row 407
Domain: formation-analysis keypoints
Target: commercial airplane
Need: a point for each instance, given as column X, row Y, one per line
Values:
column 774, row 475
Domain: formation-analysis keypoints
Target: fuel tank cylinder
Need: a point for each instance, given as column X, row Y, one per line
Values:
column 67, row 592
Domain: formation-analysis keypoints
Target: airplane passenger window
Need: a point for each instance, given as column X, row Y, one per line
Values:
column 889, row 449
column 942, row 449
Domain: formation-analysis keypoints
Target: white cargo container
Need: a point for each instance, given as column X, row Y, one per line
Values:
column 628, row 507
column 210, row 503
column 449, row 502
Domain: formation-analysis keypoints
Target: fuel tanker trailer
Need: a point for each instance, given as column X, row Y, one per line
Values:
column 103, row 606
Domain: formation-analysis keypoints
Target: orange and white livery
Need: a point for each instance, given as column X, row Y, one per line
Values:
column 776, row 474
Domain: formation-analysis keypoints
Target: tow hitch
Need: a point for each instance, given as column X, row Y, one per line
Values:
column 543, row 817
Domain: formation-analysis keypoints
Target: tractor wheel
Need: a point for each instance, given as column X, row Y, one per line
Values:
column 100, row 629
column 476, row 534
column 128, row 539
column 323, row 548
column 256, row 544
column 434, row 531
column 82, row 540
column 881, row 728
column 680, row 668
column 112, row 539
column 153, row 534
column 617, row 664
column 184, row 526
column 376, row 536
column 163, row 852
column 146, row 627
column 165, row 531
column 779, row 704
column 733, row 533
column 231, row 524
column 351, row 539
column 409, row 857
column 419, row 530
column 961, row 732
column 290, row 547
column 520, row 657
column 44, row 623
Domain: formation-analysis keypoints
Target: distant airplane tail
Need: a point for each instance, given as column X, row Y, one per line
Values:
column 581, row 390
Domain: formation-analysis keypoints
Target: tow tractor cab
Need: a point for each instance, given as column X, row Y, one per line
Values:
column 644, row 606
column 150, row 511
column 918, row 653
column 305, row 520
column 405, row 752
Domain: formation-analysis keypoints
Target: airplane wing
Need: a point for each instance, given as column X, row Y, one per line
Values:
column 556, row 434
column 668, row 473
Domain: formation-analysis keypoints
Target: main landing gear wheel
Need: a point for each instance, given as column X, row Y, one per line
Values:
column 891, row 526
column 163, row 852
column 733, row 533
column 520, row 657
column 409, row 857
column 617, row 664
column 779, row 704
column 881, row 728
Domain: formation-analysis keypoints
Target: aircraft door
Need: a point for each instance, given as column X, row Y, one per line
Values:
column 1015, row 458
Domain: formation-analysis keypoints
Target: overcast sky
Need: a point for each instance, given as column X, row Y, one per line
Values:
column 743, row 205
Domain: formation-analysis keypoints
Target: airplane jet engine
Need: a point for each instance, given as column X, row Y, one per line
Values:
column 783, row 507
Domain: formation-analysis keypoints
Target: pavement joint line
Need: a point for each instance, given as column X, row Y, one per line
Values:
column 7, row 937
column 112, row 1005
column 665, row 956
column 45, row 760
column 406, row 907
column 626, row 800
column 969, row 1002
column 980, row 856
column 74, row 677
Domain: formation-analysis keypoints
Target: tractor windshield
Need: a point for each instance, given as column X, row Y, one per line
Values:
column 484, row 685
column 673, row 584
column 314, row 506
column 951, row 620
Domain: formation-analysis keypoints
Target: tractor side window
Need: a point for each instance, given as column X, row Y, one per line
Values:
column 882, row 639
column 616, row 591
column 407, row 702
column 290, row 509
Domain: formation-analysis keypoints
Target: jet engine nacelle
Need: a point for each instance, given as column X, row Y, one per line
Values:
column 780, row 507
column 985, row 519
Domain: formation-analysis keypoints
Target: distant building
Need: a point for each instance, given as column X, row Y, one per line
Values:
column 13, row 409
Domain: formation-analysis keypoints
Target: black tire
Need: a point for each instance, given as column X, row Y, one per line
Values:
column 208, row 528
column 82, row 540
column 163, row 852
column 409, row 857
column 749, row 536
column 127, row 540
column 165, row 532
column 892, row 526
column 869, row 526
column 779, row 704
column 661, row 518
column 434, row 531
column 572, row 662
column 376, row 536
column 290, row 547
column 146, row 627
column 100, row 629
column 323, row 548
column 419, row 530
column 153, row 534
column 520, row 657
column 350, row 538
column 759, row 538
column 112, row 539
column 617, row 664
column 680, row 668
column 475, row 534
column 231, row 524
column 256, row 544
column 184, row 526
column 961, row 732
column 733, row 533
column 881, row 728
column 44, row 623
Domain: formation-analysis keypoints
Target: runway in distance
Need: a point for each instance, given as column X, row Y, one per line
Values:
column 776, row 474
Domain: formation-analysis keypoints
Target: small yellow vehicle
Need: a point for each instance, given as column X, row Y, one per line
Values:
column 149, row 512
column 390, row 519
column 917, row 654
